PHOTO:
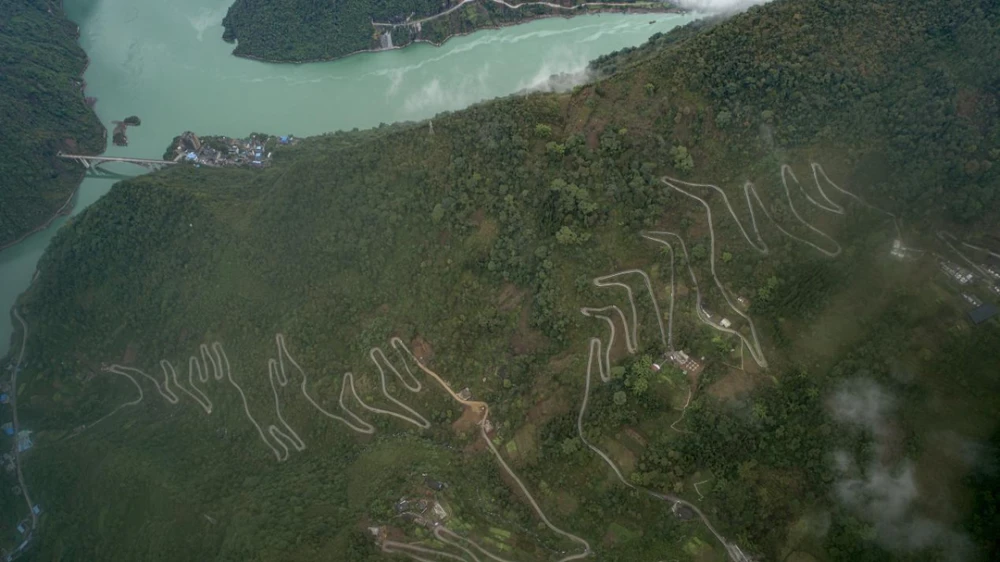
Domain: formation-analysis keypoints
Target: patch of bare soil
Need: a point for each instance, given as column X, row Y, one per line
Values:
column 421, row 349
column 966, row 103
column 510, row 297
column 693, row 378
column 547, row 409
column 131, row 350
column 635, row 436
column 466, row 423
column 621, row 454
column 699, row 222
column 476, row 446
column 395, row 534
column 565, row 503
column 559, row 363
column 681, row 290
column 734, row 384
column 526, row 340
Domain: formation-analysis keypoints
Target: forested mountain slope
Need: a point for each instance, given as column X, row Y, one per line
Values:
column 833, row 421
column 42, row 111
column 306, row 30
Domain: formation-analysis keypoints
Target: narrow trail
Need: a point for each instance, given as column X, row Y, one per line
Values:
column 15, row 422
column 483, row 409
column 506, row 5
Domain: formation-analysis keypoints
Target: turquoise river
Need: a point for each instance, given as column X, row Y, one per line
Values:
column 166, row 63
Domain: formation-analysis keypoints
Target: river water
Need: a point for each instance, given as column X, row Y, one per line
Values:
column 166, row 63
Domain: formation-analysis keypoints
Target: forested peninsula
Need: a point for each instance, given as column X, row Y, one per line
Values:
column 304, row 30
column 702, row 308
column 43, row 111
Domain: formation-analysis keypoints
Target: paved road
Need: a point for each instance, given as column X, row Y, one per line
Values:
column 16, row 424
column 506, row 5
column 733, row 551
column 484, row 409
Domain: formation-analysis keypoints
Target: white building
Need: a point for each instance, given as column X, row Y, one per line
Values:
column 972, row 299
column 961, row 275
column 898, row 250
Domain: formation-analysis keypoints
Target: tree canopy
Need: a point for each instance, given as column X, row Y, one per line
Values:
column 43, row 112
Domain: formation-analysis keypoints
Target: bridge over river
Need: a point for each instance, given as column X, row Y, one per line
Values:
column 90, row 162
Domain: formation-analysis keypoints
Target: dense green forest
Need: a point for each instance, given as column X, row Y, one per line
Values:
column 306, row 30
column 43, row 111
column 475, row 241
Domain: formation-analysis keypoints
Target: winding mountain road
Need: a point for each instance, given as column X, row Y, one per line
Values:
column 484, row 410
column 594, row 346
column 757, row 243
column 212, row 363
column 823, row 202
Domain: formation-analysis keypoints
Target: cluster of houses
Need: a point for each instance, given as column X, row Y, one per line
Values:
column 992, row 269
column 254, row 151
column 961, row 275
column 425, row 511
column 900, row 252
column 980, row 312
column 20, row 441
column 687, row 364
column 23, row 527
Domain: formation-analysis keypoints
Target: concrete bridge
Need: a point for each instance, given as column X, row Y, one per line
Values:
column 91, row 162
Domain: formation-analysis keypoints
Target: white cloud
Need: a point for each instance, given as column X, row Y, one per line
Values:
column 561, row 69
column 719, row 6
column 888, row 499
column 436, row 96
column 861, row 402
column 885, row 494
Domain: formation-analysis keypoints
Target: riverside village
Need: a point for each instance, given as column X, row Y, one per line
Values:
column 216, row 151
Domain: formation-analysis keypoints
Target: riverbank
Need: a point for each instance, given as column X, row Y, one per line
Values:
column 65, row 209
column 491, row 14
column 359, row 92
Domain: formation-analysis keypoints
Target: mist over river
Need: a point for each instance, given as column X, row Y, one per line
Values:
column 166, row 63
